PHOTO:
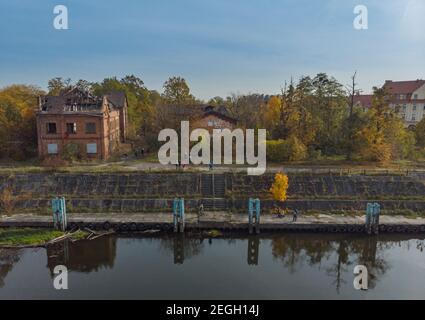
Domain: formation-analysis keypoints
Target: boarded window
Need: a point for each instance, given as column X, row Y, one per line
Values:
column 90, row 127
column 91, row 148
column 52, row 148
column 71, row 128
column 51, row 128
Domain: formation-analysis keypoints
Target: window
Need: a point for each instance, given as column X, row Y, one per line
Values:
column 210, row 123
column 91, row 148
column 90, row 127
column 413, row 118
column 52, row 148
column 414, row 108
column 51, row 128
column 415, row 97
column 71, row 128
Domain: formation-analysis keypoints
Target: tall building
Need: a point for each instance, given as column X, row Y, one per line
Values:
column 95, row 125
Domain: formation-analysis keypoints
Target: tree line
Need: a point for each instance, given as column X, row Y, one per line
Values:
column 309, row 119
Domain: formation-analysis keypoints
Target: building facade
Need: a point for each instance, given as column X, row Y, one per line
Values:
column 407, row 98
column 213, row 118
column 94, row 126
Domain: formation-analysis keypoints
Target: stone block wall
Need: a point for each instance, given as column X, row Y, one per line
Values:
column 154, row 192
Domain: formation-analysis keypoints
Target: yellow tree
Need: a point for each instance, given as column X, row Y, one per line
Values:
column 17, row 120
column 280, row 187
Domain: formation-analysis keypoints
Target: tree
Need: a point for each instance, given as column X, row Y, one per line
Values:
column 176, row 91
column 279, row 187
column 18, row 134
column 384, row 136
column 141, row 101
column 352, row 120
column 420, row 133
column 56, row 85
column 216, row 101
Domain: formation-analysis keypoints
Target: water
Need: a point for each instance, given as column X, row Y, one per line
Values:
column 291, row 266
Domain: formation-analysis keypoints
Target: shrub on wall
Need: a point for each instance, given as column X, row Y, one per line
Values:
column 291, row 149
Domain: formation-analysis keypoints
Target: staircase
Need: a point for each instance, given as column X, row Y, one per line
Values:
column 207, row 185
column 213, row 189
column 219, row 185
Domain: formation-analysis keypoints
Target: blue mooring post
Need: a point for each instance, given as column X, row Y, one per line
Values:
column 375, row 215
column 178, row 215
column 373, row 211
column 59, row 213
column 254, row 220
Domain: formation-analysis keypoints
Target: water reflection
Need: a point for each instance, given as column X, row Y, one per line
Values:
column 278, row 259
column 83, row 256
column 8, row 258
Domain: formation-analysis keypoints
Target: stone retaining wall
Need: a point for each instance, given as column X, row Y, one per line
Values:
column 143, row 192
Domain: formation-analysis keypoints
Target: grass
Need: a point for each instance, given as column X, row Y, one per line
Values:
column 27, row 236
column 32, row 237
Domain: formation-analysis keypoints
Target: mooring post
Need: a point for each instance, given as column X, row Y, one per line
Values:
column 257, row 215
column 178, row 215
column 59, row 213
column 376, row 212
column 64, row 216
column 175, row 212
column 254, row 221
column 368, row 222
column 182, row 215
column 250, row 214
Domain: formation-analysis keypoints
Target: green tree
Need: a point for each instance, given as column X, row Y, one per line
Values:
column 56, row 85
column 177, row 91
column 420, row 133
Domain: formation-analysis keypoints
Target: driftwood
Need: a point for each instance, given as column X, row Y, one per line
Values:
column 94, row 235
column 101, row 235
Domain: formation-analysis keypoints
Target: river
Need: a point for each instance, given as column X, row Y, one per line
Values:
column 285, row 266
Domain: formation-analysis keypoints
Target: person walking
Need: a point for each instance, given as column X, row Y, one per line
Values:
column 295, row 215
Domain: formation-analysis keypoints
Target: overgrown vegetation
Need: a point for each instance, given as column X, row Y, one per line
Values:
column 33, row 237
column 27, row 236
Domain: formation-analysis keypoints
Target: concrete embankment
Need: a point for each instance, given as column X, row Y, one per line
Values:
column 220, row 221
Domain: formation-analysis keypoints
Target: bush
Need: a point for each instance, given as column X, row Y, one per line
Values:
column 71, row 152
column 291, row 149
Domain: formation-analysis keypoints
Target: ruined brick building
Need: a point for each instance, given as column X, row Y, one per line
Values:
column 97, row 125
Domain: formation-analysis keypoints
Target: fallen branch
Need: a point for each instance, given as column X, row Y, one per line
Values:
column 102, row 234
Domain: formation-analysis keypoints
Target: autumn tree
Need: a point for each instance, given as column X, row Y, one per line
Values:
column 18, row 133
column 279, row 187
column 384, row 136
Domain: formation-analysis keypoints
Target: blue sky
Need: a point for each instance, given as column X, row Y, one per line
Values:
column 219, row 46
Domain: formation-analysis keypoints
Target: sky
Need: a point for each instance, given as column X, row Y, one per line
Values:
column 219, row 46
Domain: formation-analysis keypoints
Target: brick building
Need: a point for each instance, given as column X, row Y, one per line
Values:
column 97, row 125
column 213, row 117
column 200, row 116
